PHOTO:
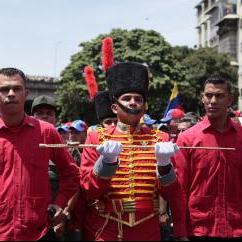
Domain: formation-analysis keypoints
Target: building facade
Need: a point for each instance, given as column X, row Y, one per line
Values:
column 219, row 26
column 40, row 85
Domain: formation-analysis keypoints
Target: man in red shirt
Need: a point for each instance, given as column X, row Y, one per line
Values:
column 212, row 179
column 44, row 108
column 122, row 185
column 25, row 194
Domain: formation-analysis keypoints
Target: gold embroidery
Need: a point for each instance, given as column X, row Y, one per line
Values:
column 136, row 152
column 135, row 178
column 134, row 171
column 136, row 159
column 133, row 185
column 137, row 164
column 131, row 192
column 144, row 142
column 132, row 221
column 127, row 206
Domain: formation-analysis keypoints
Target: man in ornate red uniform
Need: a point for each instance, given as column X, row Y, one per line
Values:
column 122, row 184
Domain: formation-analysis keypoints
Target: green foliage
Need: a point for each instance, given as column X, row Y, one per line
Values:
column 198, row 65
column 188, row 67
column 136, row 45
column 69, row 93
column 181, row 52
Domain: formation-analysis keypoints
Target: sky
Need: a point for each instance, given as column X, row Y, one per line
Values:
column 40, row 36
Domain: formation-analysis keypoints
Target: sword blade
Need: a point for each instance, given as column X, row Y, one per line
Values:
column 77, row 145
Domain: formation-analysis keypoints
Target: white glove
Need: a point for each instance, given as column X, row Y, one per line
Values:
column 110, row 150
column 164, row 151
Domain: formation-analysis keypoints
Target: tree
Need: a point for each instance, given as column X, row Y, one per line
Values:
column 188, row 67
column 181, row 52
column 198, row 65
column 142, row 46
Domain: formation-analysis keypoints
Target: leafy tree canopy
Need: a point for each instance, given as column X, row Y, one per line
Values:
column 198, row 65
column 136, row 45
column 188, row 67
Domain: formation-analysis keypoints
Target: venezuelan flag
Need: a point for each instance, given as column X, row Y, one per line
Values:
column 174, row 101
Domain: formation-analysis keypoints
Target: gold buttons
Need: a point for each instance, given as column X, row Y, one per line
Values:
column 131, row 172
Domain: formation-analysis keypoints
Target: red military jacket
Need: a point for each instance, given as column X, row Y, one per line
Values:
column 135, row 183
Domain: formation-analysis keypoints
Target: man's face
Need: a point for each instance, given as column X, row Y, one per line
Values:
column 76, row 136
column 45, row 113
column 182, row 126
column 216, row 100
column 173, row 125
column 133, row 101
column 109, row 122
column 12, row 95
column 64, row 135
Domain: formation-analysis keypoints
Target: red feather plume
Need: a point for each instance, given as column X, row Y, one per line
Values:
column 107, row 53
column 90, row 81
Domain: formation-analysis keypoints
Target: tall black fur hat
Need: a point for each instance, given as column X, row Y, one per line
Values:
column 126, row 77
column 103, row 105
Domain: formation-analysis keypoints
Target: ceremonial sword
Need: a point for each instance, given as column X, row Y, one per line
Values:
column 78, row 145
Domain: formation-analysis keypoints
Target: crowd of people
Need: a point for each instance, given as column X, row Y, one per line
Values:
column 128, row 178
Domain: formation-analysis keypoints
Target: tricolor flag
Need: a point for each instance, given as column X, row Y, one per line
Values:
column 174, row 101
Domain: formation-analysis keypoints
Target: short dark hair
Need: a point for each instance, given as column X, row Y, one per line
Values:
column 10, row 71
column 231, row 114
column 215, row 79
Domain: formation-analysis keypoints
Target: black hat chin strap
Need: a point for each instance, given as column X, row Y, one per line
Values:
column 127, row 110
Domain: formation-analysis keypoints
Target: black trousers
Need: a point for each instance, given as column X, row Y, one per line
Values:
column 50, row 236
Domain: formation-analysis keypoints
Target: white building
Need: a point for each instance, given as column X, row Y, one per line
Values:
column 219, row 26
